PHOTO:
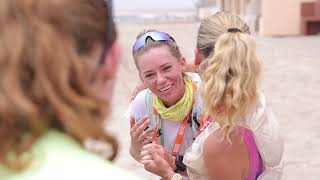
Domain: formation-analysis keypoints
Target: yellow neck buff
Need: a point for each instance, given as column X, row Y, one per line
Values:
column 181, row 109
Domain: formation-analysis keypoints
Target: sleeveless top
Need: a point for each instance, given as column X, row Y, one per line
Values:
column 268, row 139
column 256, row 167
column 194, row 156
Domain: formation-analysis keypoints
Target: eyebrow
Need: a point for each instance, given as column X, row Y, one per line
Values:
column 151, row 71
column 168, row 63
column 146, row 72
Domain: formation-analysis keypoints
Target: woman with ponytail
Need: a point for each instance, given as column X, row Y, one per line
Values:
column 244, row 140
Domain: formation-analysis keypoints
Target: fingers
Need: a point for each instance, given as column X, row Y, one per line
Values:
column 152, row 150
column 146, row 151
column 132, row 121
column 147, row 147
column 138, row 127
column 152, row 146
column 148, row 140
column 154, row 162
column 148, row 156
column 145, row 134
column 145, row 157
column 145, row 121
column 140, row 136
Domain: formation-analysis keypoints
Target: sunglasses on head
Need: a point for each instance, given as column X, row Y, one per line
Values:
column 154, row 35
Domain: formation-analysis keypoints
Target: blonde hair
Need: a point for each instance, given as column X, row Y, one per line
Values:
column 230, row 80
column 150, row 43
column 45, row 73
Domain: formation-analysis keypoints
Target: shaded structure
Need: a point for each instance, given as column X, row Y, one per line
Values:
column 277, row 18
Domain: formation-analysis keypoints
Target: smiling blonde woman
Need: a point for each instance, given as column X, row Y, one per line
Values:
column 167, row 112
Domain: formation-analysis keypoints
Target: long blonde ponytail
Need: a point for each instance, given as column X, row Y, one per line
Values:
column 230, row 81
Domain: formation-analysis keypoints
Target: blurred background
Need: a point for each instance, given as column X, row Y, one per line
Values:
column 288, row 41
column 265, row 17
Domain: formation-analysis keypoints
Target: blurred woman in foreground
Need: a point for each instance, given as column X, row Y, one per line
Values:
column 58, row 63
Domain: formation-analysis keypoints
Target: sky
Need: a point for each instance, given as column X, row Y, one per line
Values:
column 153, row 4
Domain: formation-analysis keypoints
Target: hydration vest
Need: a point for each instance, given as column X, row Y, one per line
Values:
column 195, row 115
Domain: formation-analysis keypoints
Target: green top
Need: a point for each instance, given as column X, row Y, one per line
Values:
column 57, row 156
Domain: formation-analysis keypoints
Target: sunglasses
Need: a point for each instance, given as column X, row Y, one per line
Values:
column 154, row 35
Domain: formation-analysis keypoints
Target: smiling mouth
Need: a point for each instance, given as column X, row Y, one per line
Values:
column 165, row 88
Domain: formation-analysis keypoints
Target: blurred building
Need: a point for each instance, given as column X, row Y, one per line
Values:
column 155, row 15
column 205, row 8
column 270, row 17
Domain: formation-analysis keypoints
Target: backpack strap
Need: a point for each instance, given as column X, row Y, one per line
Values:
column 196, row 114
column 194, row 119
column 153, row 117
column 149, row 107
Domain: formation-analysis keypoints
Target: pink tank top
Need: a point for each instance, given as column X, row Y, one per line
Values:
column 256, row 166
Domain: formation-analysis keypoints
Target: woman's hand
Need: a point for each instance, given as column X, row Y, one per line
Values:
column 139, row 87
column 157, row 161
column 140, row 136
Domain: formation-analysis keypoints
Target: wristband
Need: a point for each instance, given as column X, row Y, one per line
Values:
column 176, row 176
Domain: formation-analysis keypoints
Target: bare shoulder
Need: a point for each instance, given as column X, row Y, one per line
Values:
column 224, row 160
column 213, row 146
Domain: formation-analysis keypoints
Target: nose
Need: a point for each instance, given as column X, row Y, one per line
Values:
column 161, row 79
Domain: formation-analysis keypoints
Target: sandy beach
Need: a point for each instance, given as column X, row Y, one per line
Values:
column 291, row 83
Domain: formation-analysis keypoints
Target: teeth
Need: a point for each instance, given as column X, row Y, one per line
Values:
column 165, row 88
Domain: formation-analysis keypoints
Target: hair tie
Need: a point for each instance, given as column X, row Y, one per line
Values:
column 234, row 30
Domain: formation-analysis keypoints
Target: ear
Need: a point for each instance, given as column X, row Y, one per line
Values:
column 183, row 63
column 111, row 61
column 197, row 57
column 139, row 72
column 141, row 79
